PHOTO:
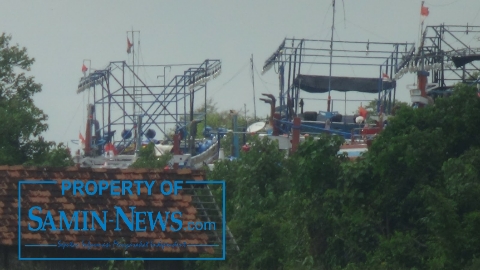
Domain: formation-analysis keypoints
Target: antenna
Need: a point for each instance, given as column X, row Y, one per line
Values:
column 253, row 84
column 331, row 54
column 136, row 92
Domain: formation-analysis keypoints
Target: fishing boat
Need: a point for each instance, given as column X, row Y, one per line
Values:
column 429, row 60
column 127, row 110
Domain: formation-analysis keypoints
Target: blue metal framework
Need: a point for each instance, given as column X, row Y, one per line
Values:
column 120, row 96
column 352, row 53
column 441, row 44
column 297, row 52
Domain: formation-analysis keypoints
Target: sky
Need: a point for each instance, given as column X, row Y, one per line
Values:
column 61, row 34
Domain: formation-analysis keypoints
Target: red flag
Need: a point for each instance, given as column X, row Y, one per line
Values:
column 84, row 68
column 362, row 112
column 424, row 11
column 129, row 45
column 82, row 139
column 110, row 147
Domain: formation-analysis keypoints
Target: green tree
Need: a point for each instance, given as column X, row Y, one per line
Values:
column 410, row 202
column 49, row 154
column 253, row 205
column 22, row 122
column 222, row 119
column 417, row 198
column 371, row 107
column 148, row 159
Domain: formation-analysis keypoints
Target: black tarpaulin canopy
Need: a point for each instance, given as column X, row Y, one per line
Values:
column 461, row 61
column 319, row 84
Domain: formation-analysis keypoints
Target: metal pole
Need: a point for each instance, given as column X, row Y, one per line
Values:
column 281, row 71
column 139, row 134
column 300, row 83
column 297, row 96
column 289, row 113
column 379, row 90
column 205, row 124
column 123, row 90
column 345, row 111
column 331, row 54
column 133, row 67
column 296, row 133
column 253, row 85
column 245, row 109
column 396, row 70
column 236, row 149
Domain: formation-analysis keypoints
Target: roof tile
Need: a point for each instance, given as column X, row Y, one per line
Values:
column 49, row 197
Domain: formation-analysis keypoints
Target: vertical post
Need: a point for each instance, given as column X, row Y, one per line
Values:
column 299, row 83
column 109, row 129
column 245, row 111
column 123, row 90
column 421, row 27
column 440, row 48
column 390, row 91
column 289, row 85
column 176, row 144
column 139, row 134
column 206, row 74
column 281, row 70
column 163, row 99
column 296, row 133
column 244, row 136
column 88, row 131
column 331, row 55
column 103, row 103
column 193, row 135
column 345, row 111
column 297, row 96
column 384, row 102
column 328, row 103
column 176, row 148
column 396, row 70
column 379, row 90
column 185, row 109
column 276, row 118
column 218, row 141
column 192, row 99
column 422, row 77
column 253, row 86
column 236, row 148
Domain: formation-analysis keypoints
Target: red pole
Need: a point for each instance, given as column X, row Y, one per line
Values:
column 296, row 133
column 422, row 78
column 176, row 144
column 88, row 131
column 328, row 103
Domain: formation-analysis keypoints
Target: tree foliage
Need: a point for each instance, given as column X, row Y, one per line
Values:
column 222, row 119
column 371, row 107
column 148, row 159
column 411, row 202
column 22, row 121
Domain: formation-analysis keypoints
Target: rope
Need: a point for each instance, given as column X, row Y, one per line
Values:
column 233, row 77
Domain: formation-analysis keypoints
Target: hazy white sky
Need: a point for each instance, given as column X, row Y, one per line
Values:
column 60, row 34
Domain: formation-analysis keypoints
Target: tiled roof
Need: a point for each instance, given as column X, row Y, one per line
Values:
column 48, row 197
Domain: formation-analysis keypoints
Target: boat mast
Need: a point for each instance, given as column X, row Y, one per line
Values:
column 331, row 54
column 137, row 95
column 253, row 85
